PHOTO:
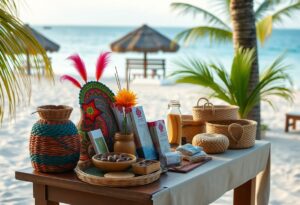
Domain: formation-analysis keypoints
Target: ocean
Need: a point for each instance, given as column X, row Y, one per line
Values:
column 90, row 41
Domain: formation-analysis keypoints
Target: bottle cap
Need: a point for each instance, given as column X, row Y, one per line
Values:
column 174, row 103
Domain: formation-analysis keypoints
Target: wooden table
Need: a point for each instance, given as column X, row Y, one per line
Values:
column 50, row 189
column 291, row 117
column 232, row 170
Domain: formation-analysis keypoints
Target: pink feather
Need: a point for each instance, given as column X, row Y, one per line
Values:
column 101, row 64
column 70, row 79
column 79, row 65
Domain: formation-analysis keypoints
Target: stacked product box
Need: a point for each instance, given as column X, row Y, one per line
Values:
column 160, row 139
column 143, row 140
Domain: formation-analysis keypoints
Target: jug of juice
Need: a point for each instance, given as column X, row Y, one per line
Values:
column 174, row 123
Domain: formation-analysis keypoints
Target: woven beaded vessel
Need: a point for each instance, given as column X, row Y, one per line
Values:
column 54, row 145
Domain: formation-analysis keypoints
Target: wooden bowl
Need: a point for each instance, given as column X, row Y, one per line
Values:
column 113, row 166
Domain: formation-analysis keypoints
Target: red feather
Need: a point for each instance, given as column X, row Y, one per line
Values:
column 79, row 65
column 101, row 64
column 71, row 79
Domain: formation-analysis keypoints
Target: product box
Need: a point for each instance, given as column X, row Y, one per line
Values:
column 118, row 113
column 98, row 141
column 143, row 140
column 159, row 136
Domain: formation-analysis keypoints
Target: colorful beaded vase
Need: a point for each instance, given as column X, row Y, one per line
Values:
column 95, row 101
column 54, row 142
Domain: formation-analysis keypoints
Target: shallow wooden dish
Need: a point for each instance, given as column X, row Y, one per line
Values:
column 113, row 166
column 88, row 173
column 152, row 166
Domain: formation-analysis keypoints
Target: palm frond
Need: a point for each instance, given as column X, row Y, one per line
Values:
column 196, row 72
column 185, row 8
column 264, row 29
column 213, row 33
column 274, row 81
column 287, row 11
column 16, row 43
column 240, row 75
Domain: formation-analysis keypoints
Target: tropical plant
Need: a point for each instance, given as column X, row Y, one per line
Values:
column 16, row 43
column 233, row 87
column 267, row 14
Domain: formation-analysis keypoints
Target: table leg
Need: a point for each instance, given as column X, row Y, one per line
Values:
column 245, row 194
column 40, row 195
column 287, row 124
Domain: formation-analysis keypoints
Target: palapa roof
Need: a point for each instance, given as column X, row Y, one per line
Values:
column 144, row 39
column 46, row 43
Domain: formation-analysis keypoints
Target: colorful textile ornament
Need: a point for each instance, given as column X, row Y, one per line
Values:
column 95, row 101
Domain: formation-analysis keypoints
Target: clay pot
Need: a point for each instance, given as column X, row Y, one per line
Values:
column 124, row 143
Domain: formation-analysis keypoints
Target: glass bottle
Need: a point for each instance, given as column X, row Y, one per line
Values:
column 174, row 123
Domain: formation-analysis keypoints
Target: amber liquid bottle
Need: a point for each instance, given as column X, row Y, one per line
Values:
column 174, row 123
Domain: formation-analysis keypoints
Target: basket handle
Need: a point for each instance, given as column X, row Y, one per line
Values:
column 202, row 98
column 212, row 107
column 235, row 137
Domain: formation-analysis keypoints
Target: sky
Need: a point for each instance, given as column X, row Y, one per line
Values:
column 115, row 13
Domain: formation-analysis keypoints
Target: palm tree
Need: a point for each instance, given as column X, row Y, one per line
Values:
column 244, row 36
column 247, row 24
column 15, row 42
column 233, row 87
column 267, row 14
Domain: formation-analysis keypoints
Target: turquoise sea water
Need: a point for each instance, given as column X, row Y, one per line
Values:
column 90, row 41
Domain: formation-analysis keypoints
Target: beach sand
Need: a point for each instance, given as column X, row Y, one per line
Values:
column 14, row 137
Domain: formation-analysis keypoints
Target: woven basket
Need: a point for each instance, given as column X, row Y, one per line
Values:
column 113, row 182
column 54, row 145
column 190, row 127
column 54, row 113
column 209, row 112
column 241, row 133
column 211, row 143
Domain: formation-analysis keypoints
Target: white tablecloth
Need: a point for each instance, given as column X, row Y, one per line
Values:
column 226, row 171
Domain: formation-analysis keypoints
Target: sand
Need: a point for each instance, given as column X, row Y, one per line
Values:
column 14, row 137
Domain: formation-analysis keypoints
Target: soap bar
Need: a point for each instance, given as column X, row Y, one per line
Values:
column 171, row 159
column 196, row 157
column 189, row 149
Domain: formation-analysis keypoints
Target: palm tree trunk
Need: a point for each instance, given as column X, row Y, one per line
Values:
column 244, row 35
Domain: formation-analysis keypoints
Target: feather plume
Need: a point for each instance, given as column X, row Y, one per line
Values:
column 101, row 64
column 70, row 79
column 79, row 65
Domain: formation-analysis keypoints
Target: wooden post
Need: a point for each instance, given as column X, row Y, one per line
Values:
column 245, row 194
column 28, row 63
column 287, row 123
column 145, row 64
column 164, row 68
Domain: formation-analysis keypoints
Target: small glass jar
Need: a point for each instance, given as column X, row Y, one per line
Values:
column 174, row 123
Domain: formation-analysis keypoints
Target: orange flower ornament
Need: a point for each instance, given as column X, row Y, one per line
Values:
column 126, row 98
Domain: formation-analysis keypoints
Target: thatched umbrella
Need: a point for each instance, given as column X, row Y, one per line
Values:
column 46, row 43
column 144, row 39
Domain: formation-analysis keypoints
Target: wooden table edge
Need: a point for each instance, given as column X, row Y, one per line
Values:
column 93, row 189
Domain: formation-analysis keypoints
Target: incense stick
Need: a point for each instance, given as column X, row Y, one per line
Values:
column 117, row 78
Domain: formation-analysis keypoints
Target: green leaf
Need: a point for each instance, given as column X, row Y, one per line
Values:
column 214, row 34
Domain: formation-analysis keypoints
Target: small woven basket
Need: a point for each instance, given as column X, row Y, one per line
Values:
column 209, row 112
column 211, row 143
column 241, row 133
column 54, row 112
